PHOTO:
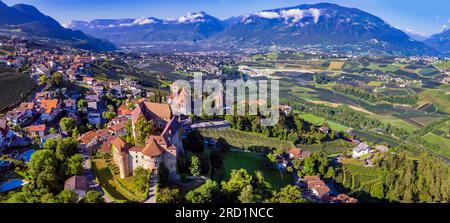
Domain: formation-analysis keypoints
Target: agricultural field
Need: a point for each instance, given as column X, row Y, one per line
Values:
column 438, row 144
column 440, row 97
column 330, row 148
column 316, row 120
column 14, row 88
column 255, row 162
column 443, row 65
column 359, row 179
column 240, row 139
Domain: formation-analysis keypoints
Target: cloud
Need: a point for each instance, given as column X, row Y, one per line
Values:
column 443, row 28
column 294, row 15
column 192, row 17
column 268, row 15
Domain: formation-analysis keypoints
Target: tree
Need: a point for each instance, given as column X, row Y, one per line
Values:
column 288, row 194
column 195, row 166
column 193, row 142
column 56, row 79
column 163, row 177
column 239, row 179
column 67, row 196
column 43, row 170
column 43, row 79
column 222, row 145
column 108, row 115
column 52, row 130
column 168, row 196
column 65, row 148
column 140, row 179
column 82, row 105
column 247, row 195
column 93, row 197
column 143, row 129
column 207, row 193
column 73, row 165
column 68, row 124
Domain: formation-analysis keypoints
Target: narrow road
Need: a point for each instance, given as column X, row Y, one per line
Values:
column 152, row 190
column 88, row 173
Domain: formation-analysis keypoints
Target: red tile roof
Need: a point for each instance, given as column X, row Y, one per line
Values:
column 36, row 128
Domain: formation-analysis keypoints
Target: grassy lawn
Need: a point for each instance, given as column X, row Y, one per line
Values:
column 119, row 189
column 253, row 162
column 316, row 120
column 106, row 180
column 438, row 144
column 241, row 139
column 375, row 83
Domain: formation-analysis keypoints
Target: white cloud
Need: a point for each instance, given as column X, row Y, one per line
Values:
column 191, row 17
column 294, row 15
column 268, row 15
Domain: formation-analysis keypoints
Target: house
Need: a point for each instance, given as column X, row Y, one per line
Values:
column 157, row 148
column 159, row 114
column 382, row 148
column 53, row 136
column 50, row 109
column 361, row 150
column 118, row 129
column 124, row 111
column 94, row 118
column 21, row 115
column 102, row 134
column 36, row 130
column 6, row 135
column 344, row 199
column 40, row 96
column 70, row 105
column 317, row 187
column 298, row 153
column 285, row 109
column 89, row 80
column 77, row 184
column 88, row 140
column 98, row 88
column 116, row 89
column 180, row 103
column 42, row 69
column 324, row 129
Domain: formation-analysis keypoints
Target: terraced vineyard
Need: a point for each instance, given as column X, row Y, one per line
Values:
column 14, row 87
column 359, row 178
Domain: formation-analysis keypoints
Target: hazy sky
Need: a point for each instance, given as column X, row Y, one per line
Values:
column 422, row 16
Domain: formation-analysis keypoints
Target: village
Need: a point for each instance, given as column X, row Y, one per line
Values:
column 110, row 117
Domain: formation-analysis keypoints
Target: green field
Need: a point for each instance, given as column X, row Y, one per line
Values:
column 240, row 139
column 330, row 148
column 439, row 97
column 253, row 162
column 438, row 144
column 14, row 87
column 443, row 65
column 316, row 120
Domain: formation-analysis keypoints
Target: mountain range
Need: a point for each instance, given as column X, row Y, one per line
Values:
column 27, row 20
column 323, row 24
column 440, row 41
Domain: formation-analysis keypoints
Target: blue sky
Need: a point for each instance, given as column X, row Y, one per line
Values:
column 422, row 16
